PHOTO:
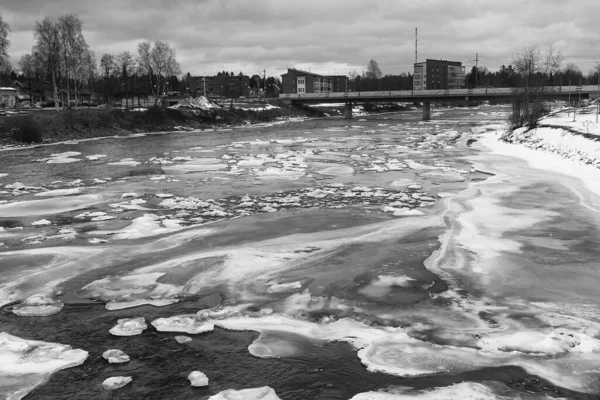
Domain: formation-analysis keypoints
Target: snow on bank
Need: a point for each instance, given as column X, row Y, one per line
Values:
column 555, row 161
column 584, row 121
column 29, row 363
column 200, row 102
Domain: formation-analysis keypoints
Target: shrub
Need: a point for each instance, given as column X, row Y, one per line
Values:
column 25, row 130
column 156, row 114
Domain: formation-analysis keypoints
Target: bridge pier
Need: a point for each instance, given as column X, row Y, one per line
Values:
column 426, row 110
column 348, row 111
column 516, row 112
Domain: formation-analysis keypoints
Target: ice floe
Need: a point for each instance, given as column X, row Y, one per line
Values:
column 56, row 205
column 115, row 356
column 116, row 382
column 31, row 362
column 37, row 306
column 129, row 327
column 198, row 379
column 260, row 393
column 183, row 323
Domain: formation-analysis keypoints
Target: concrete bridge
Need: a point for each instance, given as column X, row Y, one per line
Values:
column 427, row 96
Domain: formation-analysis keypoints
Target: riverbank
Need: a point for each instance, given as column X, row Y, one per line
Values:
column 44, row 126
column 572, row 134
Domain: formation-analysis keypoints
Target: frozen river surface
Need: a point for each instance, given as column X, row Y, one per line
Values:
column 326, row 259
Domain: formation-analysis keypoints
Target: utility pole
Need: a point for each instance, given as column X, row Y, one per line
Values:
column 204, row 85
column 416, row 44
column 476, row 68
column 598, row 98
column 265, row 85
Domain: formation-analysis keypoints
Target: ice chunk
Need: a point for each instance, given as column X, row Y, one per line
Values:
column 59, row 192
column 48, row 206
column 41, row 222
column 260, row 393
column 116, row 382
column 129, row 327
column 127, row 195
column 183, row 339
column 183, row 323
column 115, row 356
column 120, row 305
column 198, row 379
column 34, row 361
column 126, row 162
column 95, row 157
column 284, row 287
column 402, row 212
column 37, row 306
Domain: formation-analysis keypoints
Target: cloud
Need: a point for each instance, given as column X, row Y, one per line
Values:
column 248, row 36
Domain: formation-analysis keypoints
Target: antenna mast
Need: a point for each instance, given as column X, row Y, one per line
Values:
column 416, row 45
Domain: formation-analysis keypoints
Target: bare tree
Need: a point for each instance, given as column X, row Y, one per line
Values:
column 535, row 67
column 47, row 51
column 4, row 44
column 28, row 67
column 373, row 70
column 108, row 69
column 159, row 62
column 126, row 65
column 74, row 49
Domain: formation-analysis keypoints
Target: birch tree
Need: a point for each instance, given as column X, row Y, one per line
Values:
column 74, row 49
column 125, row 64
column 27, row 66
column 158, row 62
column 107, row 69
column 4, row 44
column 47, row 51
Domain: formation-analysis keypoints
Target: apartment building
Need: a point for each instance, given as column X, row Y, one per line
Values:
column 438, row 74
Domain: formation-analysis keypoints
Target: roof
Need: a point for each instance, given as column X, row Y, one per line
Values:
column 8, row 88
column 304, row 72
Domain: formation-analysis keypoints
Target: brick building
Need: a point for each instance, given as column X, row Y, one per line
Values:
column 297, row 81
column 438, row 74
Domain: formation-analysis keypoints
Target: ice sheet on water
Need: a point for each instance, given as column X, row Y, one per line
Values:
column 132, row 290
column 144, row 226
column 463, row 391
column 260, row 393
column 59, row 192
column 30, row 363
column 57, row 205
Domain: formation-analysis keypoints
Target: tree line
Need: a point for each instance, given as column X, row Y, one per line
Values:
column 61, row 58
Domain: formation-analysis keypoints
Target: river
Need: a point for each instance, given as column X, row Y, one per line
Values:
column 323, row 258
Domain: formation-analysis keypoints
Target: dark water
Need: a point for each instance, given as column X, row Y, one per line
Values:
column 159, row 365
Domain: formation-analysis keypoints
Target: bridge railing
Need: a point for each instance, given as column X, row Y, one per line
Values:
column 416, row 94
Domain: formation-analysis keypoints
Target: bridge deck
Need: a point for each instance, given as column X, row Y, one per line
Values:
column 435, row 95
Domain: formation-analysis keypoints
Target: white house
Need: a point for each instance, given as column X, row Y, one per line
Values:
column 8, row 97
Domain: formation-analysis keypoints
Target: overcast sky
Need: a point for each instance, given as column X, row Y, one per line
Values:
column 324, row 36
